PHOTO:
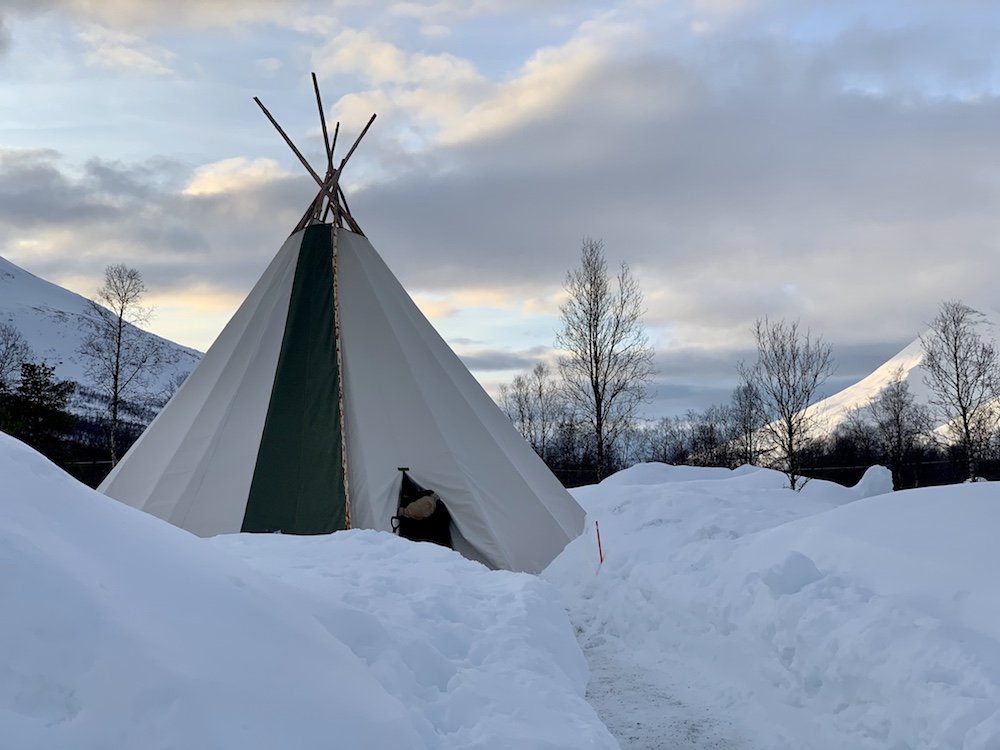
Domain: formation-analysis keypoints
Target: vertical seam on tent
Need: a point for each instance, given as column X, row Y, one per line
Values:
column 340, row 381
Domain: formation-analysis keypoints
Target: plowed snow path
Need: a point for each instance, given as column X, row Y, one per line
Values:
column 639, row 703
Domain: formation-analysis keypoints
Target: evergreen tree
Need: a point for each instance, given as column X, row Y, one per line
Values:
column 35, row 411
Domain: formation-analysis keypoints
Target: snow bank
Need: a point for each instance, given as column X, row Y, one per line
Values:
column 813, row 619
column 883, row 615
column 481, row 659
column 120, row 631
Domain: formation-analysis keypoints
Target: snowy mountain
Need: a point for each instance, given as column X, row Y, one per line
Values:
column 831, row 411
column 51, row 319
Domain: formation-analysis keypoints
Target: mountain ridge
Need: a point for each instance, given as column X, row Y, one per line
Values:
column 52, row 320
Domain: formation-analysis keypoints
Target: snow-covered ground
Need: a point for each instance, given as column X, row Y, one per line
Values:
column 729, row 613
column 761, row 618
column 119, row 631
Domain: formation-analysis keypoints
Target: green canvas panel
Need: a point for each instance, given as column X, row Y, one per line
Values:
column 298, row 482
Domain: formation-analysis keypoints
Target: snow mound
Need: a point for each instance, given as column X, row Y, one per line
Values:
column 932, row 549
column 657, row 473
column 896, row 634
column 444, row 635
column 877, row 480
column 121, row 631
column 791, row 575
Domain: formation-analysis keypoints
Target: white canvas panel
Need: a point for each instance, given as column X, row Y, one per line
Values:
column 194, row 464
column 409, row 401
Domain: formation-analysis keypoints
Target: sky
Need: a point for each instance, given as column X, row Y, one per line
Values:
column 835, row 162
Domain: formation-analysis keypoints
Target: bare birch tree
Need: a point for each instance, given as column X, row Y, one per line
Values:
column 963, row 372
column 711, row 436
column 901, row 424
column 791, row 366
column 669, row 441
column 533, row 402
column 746, row 410
column 120, row 359
column 549, row 407
column 514, row 401
column 14, row 351
column 607, row 361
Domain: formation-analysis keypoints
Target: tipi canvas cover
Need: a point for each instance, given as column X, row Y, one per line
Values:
column 326, row 382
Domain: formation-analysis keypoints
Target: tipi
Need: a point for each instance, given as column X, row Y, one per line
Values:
column 326, row 382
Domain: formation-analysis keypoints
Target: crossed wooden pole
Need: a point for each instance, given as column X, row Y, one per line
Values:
column 330, row 197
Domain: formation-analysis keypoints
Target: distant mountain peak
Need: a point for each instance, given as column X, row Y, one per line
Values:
column 833, row 410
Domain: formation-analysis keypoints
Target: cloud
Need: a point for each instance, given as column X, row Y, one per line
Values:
column 5, row 37
column 433, row 17
column 508, row 298
column 379, row 62
column 544, row 83
column 713, row 16
column 437, row 17
column 234, row 174
column 269, row 65
column 724, row 7
column 446, row 99
column 789, row 196
column 499, row 360
column 155, row 14
column 417, row 91
column 30, row 182
column 198, row 236
column 118, row 50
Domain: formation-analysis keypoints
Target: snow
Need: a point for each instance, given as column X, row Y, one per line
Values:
column 908, row 363
column 121, row 631
column 445, row 635
column 763, row 618
column 730, row 612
